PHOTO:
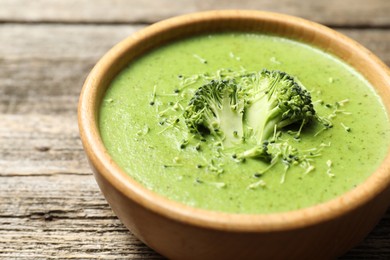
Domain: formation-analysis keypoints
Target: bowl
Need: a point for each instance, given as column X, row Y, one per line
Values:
column 178, row 231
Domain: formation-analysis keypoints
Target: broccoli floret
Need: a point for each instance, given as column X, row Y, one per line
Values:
column 249, row 108
column 274, row 100
column 216, row 109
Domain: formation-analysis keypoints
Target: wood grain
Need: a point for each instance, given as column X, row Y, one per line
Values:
column 50, row 205
column 62, row 216
column 332, row 12
column 65, row 216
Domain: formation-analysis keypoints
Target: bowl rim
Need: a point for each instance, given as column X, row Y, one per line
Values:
column 99, row 157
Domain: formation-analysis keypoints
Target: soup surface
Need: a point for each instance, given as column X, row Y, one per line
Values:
column 142, row 126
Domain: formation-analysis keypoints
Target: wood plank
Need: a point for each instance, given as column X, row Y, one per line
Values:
column 59, row 41
column 62, row 216
column 65, row 216
column 77, row 43
column 43, row 67
column 333, row 12
column 41, row 145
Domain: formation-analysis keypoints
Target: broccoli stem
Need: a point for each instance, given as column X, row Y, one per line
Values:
column 258, row 152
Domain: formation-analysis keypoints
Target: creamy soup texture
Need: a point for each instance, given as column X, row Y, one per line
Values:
column 138, row 108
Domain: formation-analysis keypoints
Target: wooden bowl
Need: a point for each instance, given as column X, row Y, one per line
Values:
column 178, row 231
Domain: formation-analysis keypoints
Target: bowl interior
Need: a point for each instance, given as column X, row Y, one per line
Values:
column 218, row 21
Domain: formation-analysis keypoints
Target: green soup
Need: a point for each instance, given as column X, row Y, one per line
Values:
column 150, row 148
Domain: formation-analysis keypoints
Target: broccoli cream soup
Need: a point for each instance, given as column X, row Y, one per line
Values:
column 244, row 123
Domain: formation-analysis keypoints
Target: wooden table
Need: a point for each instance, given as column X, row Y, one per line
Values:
column 50, row 205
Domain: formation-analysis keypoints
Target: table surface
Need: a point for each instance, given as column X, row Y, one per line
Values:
column 50, row 205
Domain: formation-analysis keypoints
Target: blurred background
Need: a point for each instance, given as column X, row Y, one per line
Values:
column 50, row 205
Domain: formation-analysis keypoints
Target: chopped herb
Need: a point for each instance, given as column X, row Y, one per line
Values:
column 329, row 171
column 153, row 94
column 200, row 59
column 346, row 128
column 257, row 175
column 258, row 184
